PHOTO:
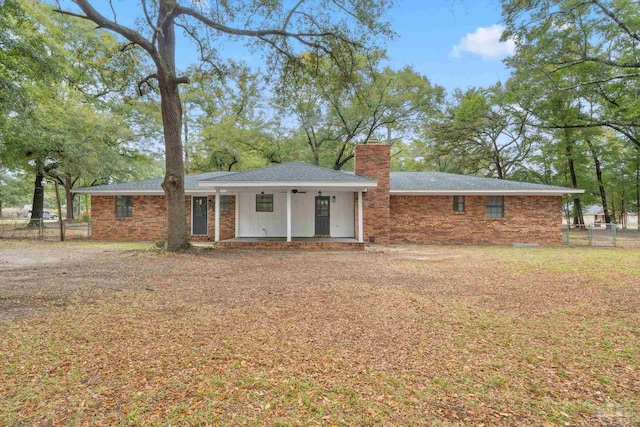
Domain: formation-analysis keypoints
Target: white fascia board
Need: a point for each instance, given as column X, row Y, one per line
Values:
column 120, row 192
column 141, row 192
column 484, row 192
column 289, row 184
column 270, row 189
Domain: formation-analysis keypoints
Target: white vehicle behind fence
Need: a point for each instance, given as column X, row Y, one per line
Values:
column 45, row 215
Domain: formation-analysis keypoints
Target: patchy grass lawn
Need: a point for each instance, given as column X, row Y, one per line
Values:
column 447, row 336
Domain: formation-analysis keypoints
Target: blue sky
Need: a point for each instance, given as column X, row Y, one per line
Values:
column 455, row 43
column 430, row 30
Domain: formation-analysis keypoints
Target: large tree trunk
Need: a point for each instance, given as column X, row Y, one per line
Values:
column 613, row 206
column 638, row 186
column 173, row 185
column 314, row 152
column 186, row 140
column 603, row 194
column 68, row 196
column 38, row 196
column 499, row 169
column 623, row 207
column 578, row 219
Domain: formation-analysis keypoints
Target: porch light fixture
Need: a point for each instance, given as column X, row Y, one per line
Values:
column 319, row 193
column 333, row 199
column 262, row 192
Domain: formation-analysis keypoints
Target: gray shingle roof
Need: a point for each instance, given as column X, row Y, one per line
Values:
column 441, row 181
column 303, row 172
column 190, row 183
column 290, row 172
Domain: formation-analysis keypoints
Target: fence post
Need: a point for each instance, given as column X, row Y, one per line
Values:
column 614, row 234
column 590, row 234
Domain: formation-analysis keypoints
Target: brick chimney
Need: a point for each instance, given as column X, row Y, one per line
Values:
column 373, row 160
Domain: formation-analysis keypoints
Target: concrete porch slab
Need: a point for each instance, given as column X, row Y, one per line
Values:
column 311, row 243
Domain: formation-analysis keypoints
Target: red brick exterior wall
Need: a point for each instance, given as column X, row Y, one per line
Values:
column 387, row 219
column 149, row 220
column 430, row 219
column 374, row 161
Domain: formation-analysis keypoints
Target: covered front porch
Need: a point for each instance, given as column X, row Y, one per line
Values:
column 279, row 214
column 294, row 205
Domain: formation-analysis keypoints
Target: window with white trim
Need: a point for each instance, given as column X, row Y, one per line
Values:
column 264, row 202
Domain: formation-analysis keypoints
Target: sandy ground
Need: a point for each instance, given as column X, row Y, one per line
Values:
column 36, row 275
column 110, row 334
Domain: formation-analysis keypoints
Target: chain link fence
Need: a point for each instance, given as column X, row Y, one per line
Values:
column 600, row 235
column 44, row 229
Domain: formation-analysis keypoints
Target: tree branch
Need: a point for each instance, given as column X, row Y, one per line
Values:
column 103, row 22
column 115, row 17
column 617, row 20
column 155, row 29
column 146, row 81
column 291, row 12
column 609, row 62
column 181, row 80
column 301, row 37
column 594, row 82
column 201, row 47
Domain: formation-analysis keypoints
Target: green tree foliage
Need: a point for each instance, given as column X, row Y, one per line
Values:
column 227, row 124
column 586, row 48
column 14, row 191
column 24, row 54
column 481, row 132
column 74, row 125
column 576, row 71
column 333, row 113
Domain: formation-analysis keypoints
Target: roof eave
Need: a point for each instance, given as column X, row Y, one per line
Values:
column 297, row 184
column 530, row 192
column 112, row 192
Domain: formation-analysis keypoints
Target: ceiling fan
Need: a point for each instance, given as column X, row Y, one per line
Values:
column 295, row 191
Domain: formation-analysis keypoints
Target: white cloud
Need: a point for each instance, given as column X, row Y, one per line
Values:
column 484, row 41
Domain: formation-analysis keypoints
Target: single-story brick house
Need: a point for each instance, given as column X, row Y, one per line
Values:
column 297, row 204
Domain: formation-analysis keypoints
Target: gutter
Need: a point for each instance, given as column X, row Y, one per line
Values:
column 559, row 192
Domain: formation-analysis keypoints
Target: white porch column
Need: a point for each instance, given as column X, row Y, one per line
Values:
column 237, row 214
column 289, row 215
column 217, row 218
column 360, row 222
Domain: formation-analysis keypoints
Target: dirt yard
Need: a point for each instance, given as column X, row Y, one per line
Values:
column 115, row 334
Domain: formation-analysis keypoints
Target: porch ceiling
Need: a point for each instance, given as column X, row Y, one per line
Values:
column 280, row 188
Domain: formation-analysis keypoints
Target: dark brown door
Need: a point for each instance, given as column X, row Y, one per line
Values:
column 323, row 214
column 199, row 216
